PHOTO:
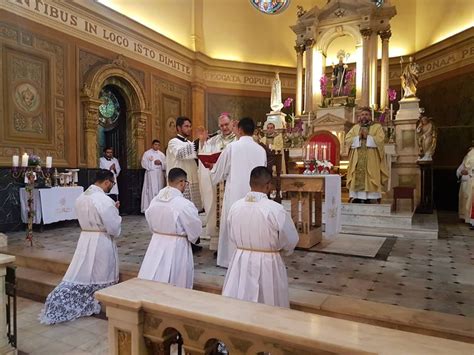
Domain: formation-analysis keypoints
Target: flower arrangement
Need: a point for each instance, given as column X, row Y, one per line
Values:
column 290, row 115
column 294, row 136
column 34, row 160
column 323, row 85
column 392, row 94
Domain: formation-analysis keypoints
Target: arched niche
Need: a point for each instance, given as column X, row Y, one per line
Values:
column 119, row 76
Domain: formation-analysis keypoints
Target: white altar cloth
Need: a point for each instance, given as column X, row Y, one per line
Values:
column 51, row 205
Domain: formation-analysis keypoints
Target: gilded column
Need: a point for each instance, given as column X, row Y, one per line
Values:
column 384, row 76
column 91, row 124
column 308, row 93
column 366, row 33
column 299, row 79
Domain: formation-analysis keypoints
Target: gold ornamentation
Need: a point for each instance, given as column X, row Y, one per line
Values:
column 298, row 184
column 151, row 323
column 194, row 333
column 124, row 340
column 120, row 61
column 366, row 32
column 385, row 34
column 240, row 345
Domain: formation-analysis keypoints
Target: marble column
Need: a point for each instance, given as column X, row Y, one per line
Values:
column 308, row 94
column 91, row 124
column 299, row 79
column 198, row 99
column 364, row 100
column 373, row 68
column 138, row 130
column 384, row 76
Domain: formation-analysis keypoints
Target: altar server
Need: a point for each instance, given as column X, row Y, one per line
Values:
column 234, row 166
column 261, row 230
column 181, row 153
column 109, row 162
column 95, row 262
column 175, row 224
column 154, row 162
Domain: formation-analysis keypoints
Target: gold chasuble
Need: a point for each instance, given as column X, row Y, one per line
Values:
column 367, row 171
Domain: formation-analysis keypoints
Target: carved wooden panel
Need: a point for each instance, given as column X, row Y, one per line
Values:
column 169, row 101
column 32, row 96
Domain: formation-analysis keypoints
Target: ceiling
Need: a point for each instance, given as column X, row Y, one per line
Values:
column 235, row 30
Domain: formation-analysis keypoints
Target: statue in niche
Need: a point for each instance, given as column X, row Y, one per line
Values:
column 339, row 72
column 426, row 138
column 409, row 79
column 275, row 102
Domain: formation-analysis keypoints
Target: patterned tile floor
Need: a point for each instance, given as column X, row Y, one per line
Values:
column 434, row 275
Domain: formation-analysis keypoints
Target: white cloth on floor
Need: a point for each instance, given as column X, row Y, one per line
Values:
column 107, row 164
column 175, row 224
column 181, row 153
column 95, row 261
column 234, row 165
column 260, row 229
column 154, row 180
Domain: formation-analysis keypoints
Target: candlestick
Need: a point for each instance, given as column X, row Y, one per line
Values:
column 391, row 112
column 15, row 161
column 353, row 114
column 49, row 162
column 24, row 160
column 309, row 119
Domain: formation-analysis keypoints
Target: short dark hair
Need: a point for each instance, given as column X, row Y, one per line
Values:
column 176, row 174
column 260, row 176
column 181, row 120
column 247, row 125
column 107, row 148
column 104, row 174
column 155, row 141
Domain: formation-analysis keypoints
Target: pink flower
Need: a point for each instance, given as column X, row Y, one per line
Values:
column 392, row 94
column 288, row 102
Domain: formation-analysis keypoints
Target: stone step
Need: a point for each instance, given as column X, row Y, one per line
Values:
column 361, row 209
column 35, row 284
column 399, row 220
column 391, row 232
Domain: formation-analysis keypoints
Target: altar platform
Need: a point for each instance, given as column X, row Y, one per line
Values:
column 420, row 279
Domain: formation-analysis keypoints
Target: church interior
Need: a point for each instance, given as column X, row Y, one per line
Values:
column 389, row 271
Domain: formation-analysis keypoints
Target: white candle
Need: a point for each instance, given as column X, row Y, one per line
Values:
column 316, row 155
column 15, row 159
column 391, row 112
column 307, row 152
column 24, row 160
column 49, row 162
column 373, row 113
column 324, row 152
column 309, row 119
column 76, row 176
column 353, row 114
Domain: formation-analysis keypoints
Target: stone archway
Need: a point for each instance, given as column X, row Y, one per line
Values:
column 115, row 74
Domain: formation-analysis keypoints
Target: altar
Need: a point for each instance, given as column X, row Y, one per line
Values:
column 51, row 204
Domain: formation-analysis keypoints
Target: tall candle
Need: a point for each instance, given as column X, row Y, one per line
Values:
column 324, row 152
column 391, row 112
column 49, row 162
column 373, row 113
column 316, row 155
column 353, row 114
column 309, row 119
column 24, row 160
column 307, row 152
column 15, row 160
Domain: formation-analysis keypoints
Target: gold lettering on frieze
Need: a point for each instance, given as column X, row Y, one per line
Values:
column 54, row 11
column 245, row 79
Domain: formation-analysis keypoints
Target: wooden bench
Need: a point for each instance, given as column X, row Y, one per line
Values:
column 403, row 192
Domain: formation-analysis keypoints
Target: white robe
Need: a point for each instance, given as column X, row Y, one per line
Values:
column 106, row 164
column 213, row 145
column 466, row 188
column 154, row 179
column 181, row 154
column 175, row 224
column 95, row 261
column 234, row 165
column 261, row 225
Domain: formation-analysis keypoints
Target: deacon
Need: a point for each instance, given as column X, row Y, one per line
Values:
column 95, row 262
column 274, row 141
column 367, row 172
column 181, row 153
column 210, row 145
column 154, row 163
column 261, row 230
column 465, row 174
column 108, row 162
column 234, row 166
column 175, row 224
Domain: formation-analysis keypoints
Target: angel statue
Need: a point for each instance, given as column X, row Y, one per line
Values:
column 275, row 102
column 410, row 79
column 426, row 138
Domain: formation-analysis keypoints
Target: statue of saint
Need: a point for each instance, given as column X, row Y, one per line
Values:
column 339, row 72
column 410, row 79
column 275, row 102
column 426, row 138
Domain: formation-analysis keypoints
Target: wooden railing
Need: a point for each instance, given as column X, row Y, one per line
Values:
column 146, row 317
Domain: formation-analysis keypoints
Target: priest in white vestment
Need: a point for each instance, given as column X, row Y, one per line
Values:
column 181, row 153
column 95, row 262
column 109, row 162
column 234, row 166
column 465, row 174
column 210, row 145
column 154, row 163
column 261, row 230
column 175, row 224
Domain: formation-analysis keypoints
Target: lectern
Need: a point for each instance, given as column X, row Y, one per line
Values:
column 306, row 206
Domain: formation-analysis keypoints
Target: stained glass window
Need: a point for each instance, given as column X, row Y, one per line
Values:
column 270, row 7
column 109, row 110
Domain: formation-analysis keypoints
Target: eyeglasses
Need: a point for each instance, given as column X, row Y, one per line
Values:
column 112, row 182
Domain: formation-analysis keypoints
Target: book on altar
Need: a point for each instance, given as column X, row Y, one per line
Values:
column 208, row 159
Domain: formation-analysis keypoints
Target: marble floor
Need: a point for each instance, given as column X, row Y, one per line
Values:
column 80, row 337
column 433, row 275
